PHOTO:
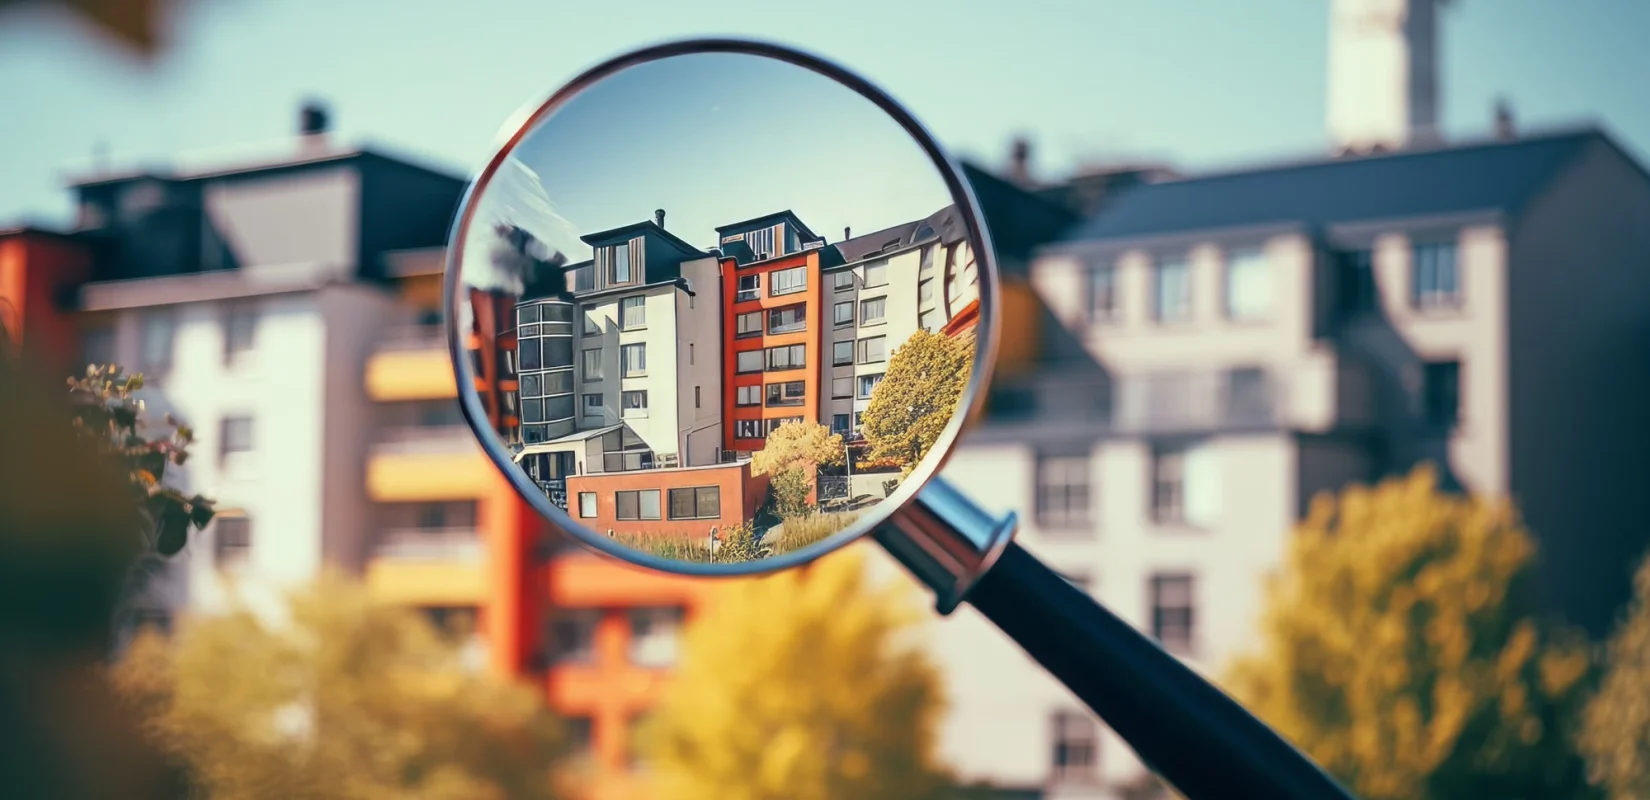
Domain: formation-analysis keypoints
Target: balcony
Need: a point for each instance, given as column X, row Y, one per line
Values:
column 1318, row 395
column 412, row 463
column 429, row 544
column 410, row 363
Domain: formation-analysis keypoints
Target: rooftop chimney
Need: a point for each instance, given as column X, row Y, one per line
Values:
column 1019, row 166
column 1383, row 74
column 1505, row 127
column 847, row 233
column 659, row 217
column 313, row 124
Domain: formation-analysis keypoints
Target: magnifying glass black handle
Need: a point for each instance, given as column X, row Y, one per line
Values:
column 1192, row 734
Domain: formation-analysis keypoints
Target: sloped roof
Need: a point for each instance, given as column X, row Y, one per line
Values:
column 1489, row 176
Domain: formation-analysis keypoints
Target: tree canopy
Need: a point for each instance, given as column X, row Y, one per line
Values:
column 346, row 698
column 1615, row 733
column 801, row 686
column 804, row 446
column 1399, row 652
column 917, row 397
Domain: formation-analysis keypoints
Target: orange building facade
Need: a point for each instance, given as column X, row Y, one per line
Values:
column 39, row 273
column 773, row 341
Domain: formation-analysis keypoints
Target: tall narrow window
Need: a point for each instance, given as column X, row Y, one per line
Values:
column 1436, row 281
column 633, row 313
column 1076, row 753
column 1102, row 291
column 1248, row 285
column 1173, row 290
column 1441, row 390
column 633, row 358
column 240, row 327
column 1062, row 492
column 1174, row 607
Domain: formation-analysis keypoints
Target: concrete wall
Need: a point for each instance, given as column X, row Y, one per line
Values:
column 699, row 362
column 1577, row 346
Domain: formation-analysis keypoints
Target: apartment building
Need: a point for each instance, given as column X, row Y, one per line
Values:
column 1214, row 351
column 771, row 274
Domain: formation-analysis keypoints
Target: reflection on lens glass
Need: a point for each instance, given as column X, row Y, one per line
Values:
column 717, row 307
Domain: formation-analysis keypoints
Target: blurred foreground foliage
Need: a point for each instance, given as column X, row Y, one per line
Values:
column 801, row 686
column 345, row 698
column 1616, row 730
column 1400, row 652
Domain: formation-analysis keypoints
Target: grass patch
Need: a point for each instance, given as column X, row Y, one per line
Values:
column 799, row 532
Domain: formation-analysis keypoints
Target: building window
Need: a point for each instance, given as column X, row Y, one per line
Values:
column 232, row 543
column 842, row 388
column 775, row 424
column 592, row 405
column 641, row 504
column 842, row 353
column 791, row 356
column 633, row 313
column 1063, row 491
column 748, row 325
column 633, row 404
column 592, row 366
column 1248, row 285
column 587, row 504
column 868, row 384
column 633, row 360
column 747, row 429
column 1173, row 611
column 1102, row 292
column 1436, row 278
column 871, row 350
column 859, row 419
column 1248, row 397
column 747, row 361
column 787, row 281
column 240, row 327
column 929, row 320
column 1169, row 485
column 925, row 291
column 592, row 325
column 532, row 411
column 843, row 281
column 840, row 423
column 1441, row 392
column 750, row 288
column 1173, row 291
column 873, row 311
column 698, row 502
column 1357, row 289
column 876, row 275
column 697, row 398
column 653, row 636
column 573, row 636
column 620, row 258
column 748, row 396
column 842, row 314
column 531, row 353
column 527, row 314
column 156, row 334
column 532, row 386
column 788, row 319
column 236, row 437
column 1076, row 754
column 760, row 242
column 789, row 393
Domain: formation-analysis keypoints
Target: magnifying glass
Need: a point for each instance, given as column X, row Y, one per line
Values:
column 719, row 308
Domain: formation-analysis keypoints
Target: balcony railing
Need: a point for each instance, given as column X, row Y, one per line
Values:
column 424, row 439
column 412, row 337
column 429, row 543
column 1320, row 394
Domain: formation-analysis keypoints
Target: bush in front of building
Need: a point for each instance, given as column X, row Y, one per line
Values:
column 1400, row 649
column 788, row 495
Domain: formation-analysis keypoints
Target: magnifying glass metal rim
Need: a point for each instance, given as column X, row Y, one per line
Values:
column 986, row 328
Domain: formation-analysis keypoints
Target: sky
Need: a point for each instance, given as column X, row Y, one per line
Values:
column 1200, row 84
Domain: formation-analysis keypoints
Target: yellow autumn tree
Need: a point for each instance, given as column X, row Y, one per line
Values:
column 804, row 446
column 1398, row 650
column 801, row 686
column 1615, row 733
column 917, row 396
column 347, row 699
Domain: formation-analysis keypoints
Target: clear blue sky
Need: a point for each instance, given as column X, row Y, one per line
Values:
column 1203, row 83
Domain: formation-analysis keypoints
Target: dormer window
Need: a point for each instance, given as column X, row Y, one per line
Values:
column 620, row 271
column 761, row 242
